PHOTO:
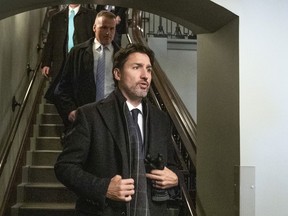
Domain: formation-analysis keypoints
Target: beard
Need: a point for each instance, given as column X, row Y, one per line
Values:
column 139, row 92
column 136, row 92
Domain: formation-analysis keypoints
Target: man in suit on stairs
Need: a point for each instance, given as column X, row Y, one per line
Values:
column 105, row 157
column 78, row 84
column 57, row 47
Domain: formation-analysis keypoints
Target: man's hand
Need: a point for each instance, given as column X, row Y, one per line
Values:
column 45, row 71
column 163, row 179
column 120, row 189
column 72, row 116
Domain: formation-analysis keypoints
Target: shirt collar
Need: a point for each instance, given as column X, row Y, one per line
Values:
column 130, row 107
column 98, row 44
column 76, row 9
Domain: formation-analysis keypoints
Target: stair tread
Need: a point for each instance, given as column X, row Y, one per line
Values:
column 40, row 167
column 51, row 124
column 43, row 185
column 41, row 137
column 48, row 205
column 45, row 151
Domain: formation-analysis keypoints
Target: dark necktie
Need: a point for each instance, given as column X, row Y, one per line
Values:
column 100, row 75
column 135, row 113
column 139, row 204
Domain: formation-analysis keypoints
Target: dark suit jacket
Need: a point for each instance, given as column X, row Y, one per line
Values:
column 55, row 50
column 77, row 85
column 97, row 149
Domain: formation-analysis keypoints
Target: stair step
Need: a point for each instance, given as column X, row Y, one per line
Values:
column 44, row 209
column 42, row 157
column 48, row 143
column 39, row 174
column 50, row 130
column 50, row 108
column 40, row 193
column 50, row 118
column 55, row 209
column 43, row 192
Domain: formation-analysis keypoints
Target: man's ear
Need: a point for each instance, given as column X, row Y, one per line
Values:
column 117, row 74
column 94, row 28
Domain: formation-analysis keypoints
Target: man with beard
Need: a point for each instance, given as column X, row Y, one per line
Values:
column 104, row 155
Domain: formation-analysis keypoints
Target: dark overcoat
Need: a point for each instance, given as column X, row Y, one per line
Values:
column 55, row 49
column 77, row 86
column 97, row 149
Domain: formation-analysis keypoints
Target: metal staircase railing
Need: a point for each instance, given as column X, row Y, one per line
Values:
column 156, row 26
column 163, row 95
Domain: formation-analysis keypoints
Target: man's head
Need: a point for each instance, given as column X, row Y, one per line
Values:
column 132, row 71
column 104, row 27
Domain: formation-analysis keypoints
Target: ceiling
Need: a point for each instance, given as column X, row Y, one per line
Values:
column 200, row 16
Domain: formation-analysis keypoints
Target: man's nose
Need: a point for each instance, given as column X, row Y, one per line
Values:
column 145, row 74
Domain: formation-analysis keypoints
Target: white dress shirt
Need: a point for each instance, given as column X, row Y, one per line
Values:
column 109, row 83
column 140, row 116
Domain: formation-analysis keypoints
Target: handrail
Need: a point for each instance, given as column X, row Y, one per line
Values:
column 5, row 152
column 181, row 118
column 185, row 169
column 179, row 114
column 191, row 209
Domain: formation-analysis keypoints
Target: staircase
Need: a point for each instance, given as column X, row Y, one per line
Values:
column 40, row 193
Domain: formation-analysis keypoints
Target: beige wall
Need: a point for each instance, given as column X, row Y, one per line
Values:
column 18, row 46
column 218, row 120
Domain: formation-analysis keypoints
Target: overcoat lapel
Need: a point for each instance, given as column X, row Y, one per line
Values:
column 87, row 75
column 113, row 118
column 151, row 127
